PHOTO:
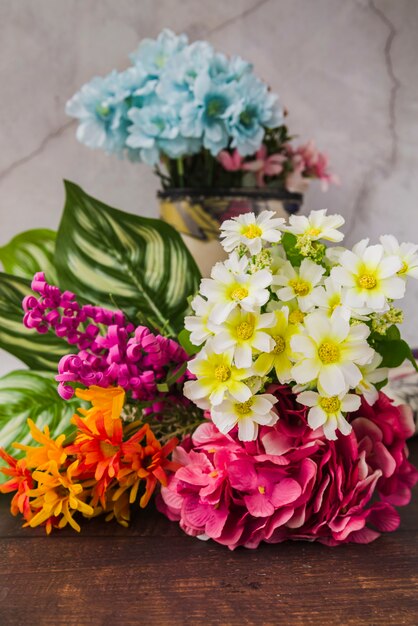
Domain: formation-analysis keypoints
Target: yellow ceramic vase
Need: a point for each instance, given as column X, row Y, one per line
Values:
column 197, row 215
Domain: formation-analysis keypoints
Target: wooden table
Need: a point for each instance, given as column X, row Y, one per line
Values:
column 154, row 574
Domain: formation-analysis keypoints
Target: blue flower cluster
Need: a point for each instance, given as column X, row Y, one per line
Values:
column 176, row 99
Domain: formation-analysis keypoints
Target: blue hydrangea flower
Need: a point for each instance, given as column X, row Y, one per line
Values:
column 224, row 70
column 176, row 83
column 155, row 128
column 205, row 116
column 152, row 55
column 254, row 110
column 102, row 106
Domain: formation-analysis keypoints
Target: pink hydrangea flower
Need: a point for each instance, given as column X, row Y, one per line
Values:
column 292, row 482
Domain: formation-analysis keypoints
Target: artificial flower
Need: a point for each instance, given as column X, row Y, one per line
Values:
column 242, row 332
column 57, row 497
column 230, row 161
column 199, row 325
column 371, row 374
column 49, row 450
column 317, row 225
column 248, row 415
column 19, row 481
column 264, row 165
column 299, row 283
column 280, row 358
column 370, row 276
column 216, row 377
column 406, row 252
column 329, row 298
column 251, row 231
column 227, row 290
column 327, row 411
column 330, row 352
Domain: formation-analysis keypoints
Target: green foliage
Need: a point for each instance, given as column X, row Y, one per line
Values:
column 25, row 394
column 184, row 341
column 30, row 252
column 41, row 352
column 141, row 265
column 393, row 348
column 293, row 254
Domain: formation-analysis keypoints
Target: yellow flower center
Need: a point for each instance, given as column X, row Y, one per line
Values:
column 213, row 474
column 244, row 408
column 367, row 281
column 313, row 232
column 404, row 268
column 296, row 317
column 239, row 293
column 300, row 287
column 107, row 448
column 261, row 489
column 328, row 352
column 330, row 405
column 245, row 330
column 222, row 373
column 252, row 231
column 280, row 345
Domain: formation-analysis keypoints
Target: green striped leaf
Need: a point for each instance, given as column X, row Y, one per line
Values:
column 25, row 394
column 141, row 265
column 30, row 252
column 40, row 352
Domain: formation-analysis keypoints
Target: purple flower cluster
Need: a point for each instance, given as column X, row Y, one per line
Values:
column 133, row 358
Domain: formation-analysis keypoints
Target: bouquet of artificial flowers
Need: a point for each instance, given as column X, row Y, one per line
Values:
column 200, row 118
column 262, row 420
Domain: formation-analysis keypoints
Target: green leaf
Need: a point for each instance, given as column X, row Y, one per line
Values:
column 293, row 254
column 140, row 264
column 393, row 349
column 186, row 344
column 25, row 394
column 30, row 252
column 40, row 352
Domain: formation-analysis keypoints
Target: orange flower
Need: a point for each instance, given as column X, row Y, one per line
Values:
column 98, row 449
column 20, row 481
column 107, row 402
column 144, row 462
column 50, row 449
column 57, row 497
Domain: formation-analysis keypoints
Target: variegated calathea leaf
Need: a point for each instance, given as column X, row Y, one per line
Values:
column 39, row 352
column 25, row 394
column 138, row 264
column 30, row 252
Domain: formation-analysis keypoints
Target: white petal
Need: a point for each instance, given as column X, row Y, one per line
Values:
column 305, row 371
column 316, row 417
column 247, row 429
column 331, row 380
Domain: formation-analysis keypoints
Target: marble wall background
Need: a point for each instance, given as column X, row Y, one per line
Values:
column 346, row 70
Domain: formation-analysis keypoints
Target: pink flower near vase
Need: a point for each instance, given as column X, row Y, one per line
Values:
column 265, row 165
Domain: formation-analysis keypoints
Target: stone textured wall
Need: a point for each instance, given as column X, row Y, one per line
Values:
column 345, row 69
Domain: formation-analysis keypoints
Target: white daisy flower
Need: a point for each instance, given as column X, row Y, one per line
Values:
column 317, row 225
column 327, row 411
column 227, row 289
column 251, row 231
column 371, row 374
column 407, row 253
column 370, row 277
column 216, row 376
column 199, row 325
column 330, row 352
column 329, row 299
column 299, row 283
column 244, row 332
column 258, row 410
column 280, row 358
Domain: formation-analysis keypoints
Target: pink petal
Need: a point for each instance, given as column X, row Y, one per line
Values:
column 259, row 505
column 285, row 492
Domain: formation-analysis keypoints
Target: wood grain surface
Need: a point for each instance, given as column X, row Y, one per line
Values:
column 152, row 574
